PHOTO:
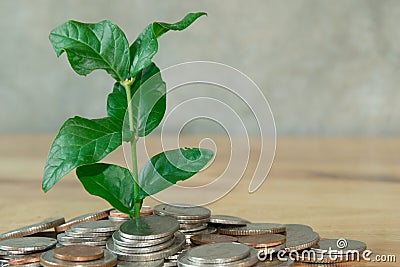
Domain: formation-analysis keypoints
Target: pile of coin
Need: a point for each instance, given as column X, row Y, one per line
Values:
column 159, row 240
column 94, row 233
column 78, row 255
column 192, row 220
column 24, row 250
column 147, row 240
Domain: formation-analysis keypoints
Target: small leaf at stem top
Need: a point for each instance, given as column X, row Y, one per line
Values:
column 146, row 45
column 93, row 46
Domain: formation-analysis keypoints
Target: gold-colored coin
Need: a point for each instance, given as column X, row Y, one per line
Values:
column 78, row 253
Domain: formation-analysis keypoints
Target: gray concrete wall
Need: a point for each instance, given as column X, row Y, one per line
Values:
column 326, row 67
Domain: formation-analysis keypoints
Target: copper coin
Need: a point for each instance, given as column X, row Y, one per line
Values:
column 48, row 260
column 78, row 253
column 203, row 239
column 118, row 214
column 146, row 211
column 25, row 259
column 264, row 240
column 95, row 216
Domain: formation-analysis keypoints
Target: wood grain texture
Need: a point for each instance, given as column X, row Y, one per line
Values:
column 341, row 187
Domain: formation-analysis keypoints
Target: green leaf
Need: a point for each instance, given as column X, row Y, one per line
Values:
column 146, row 45
column 93, row 46
column 110, row 182
column 80, row 141
column 167, row 168
column 148, row 102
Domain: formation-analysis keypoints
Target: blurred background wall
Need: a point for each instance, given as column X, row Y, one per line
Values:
column 327, row 68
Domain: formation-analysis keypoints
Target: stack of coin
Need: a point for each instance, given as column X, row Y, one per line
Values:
column 299, row 237
column 119, row 218
column 227, row 220
column 90, row 217
column 24, row 250
column 192, row 219
column 88, row 233
column 148, row 239
column 78, row 255
column 219, row 254
column 33, row 229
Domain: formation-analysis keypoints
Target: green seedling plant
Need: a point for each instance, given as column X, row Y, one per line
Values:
column 135, row 107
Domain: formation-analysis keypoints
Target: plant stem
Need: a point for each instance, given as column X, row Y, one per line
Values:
column 137, row 204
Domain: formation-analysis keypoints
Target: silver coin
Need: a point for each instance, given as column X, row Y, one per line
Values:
column 218, row 253
column 149, row 227
column 283, row 262
column 6, row 254
column 307, row 256
column 183, row 261
column 118, row 240
column 272, row 249
column 156, row 263
column 170, row 263
column 78, row 234
column 102, row 226
column 181, row 211
column 88, row 243
column 188, row 226
column 228, row 220
column 117, row 220
column 194, row 229
column 253, row 229
column 33, row 229
column 299, row 237
column 145, row 249
column 109, row 260
column 193, row 221
column 173, row 249
column 71, row 239
column 332, row 245
column 34, row 264
column 28, row 244
column 208, row 230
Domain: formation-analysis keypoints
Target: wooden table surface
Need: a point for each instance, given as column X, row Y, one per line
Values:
column 346, row 188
